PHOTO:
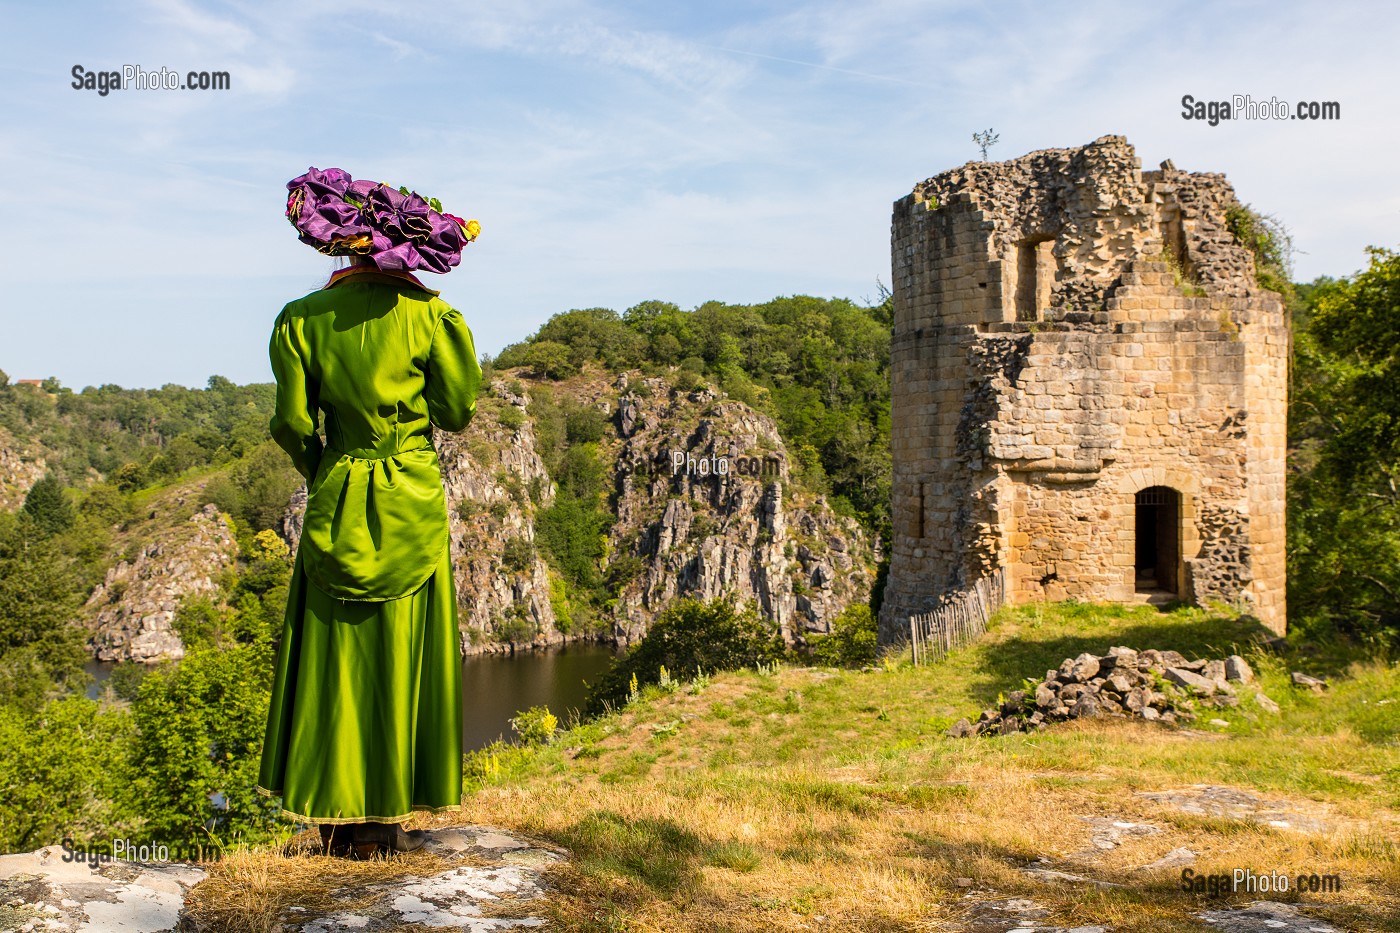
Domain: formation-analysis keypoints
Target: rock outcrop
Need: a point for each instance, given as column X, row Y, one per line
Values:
column 1152, row 685
column 51, row 890
column 131, row 611
column 685, row 525
column 20, row 468
column 703, row 533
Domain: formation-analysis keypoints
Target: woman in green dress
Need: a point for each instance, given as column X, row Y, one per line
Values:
column 365, row 721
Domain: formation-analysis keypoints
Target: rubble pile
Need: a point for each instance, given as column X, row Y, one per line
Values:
column 1153, row 685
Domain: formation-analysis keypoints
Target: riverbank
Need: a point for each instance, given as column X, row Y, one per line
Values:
column 809, row 799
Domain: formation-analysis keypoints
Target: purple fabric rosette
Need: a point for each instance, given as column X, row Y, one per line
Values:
column 397, row 229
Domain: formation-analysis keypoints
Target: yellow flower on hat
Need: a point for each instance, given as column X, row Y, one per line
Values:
column 470, row 228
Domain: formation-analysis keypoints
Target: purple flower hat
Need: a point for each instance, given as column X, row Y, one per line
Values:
column 397, row 229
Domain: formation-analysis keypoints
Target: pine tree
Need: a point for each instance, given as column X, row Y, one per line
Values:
column 48, row 506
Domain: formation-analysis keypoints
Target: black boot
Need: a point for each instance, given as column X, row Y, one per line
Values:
column 388, row 837
column 336, row 840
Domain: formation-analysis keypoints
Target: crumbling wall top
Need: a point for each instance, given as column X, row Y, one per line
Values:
column 1102, row 212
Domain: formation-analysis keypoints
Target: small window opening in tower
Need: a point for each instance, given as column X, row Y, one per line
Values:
column 1157, row 532
column 1035, row 277
column 1174, row 244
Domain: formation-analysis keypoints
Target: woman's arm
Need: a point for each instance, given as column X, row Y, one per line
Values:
column 295, row 419
column 453, row 375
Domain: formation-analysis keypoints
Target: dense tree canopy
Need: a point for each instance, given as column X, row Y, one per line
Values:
column 1344, row 517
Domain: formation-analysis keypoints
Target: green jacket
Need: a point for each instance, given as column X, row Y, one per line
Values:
column 385, row 359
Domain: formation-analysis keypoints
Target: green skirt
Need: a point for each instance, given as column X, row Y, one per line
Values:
column 365, row 721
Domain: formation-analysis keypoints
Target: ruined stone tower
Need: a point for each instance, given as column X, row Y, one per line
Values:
column 1089, row 389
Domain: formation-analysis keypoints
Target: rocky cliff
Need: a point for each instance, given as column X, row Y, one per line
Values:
column 130, row 612
column 684, row 531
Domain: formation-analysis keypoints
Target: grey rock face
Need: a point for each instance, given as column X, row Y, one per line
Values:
column 678, row 532
column 131, row 611
column 20, row 468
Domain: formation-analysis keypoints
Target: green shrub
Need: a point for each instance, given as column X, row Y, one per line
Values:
column 851, row 642
column 200, row 730
column 47, row 504
column 585, row 424
column 64, row 773
column 559, row 602
column 535, row 726
column 518, row 554
column 688, row 637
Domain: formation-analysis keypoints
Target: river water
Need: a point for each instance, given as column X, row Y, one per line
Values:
column 497, row 686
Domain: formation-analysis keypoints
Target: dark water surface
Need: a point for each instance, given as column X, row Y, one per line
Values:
column 497, row 686
column 100, row 671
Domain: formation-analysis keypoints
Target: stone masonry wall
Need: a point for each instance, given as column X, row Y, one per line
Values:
column 1070, row 331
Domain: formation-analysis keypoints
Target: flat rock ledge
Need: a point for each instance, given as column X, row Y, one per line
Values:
column 494, row 882
column 40, row 891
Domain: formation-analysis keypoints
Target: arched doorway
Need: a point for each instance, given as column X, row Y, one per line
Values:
column 1157, row 559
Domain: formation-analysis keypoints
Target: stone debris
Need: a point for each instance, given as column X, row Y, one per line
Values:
column 1158, row 686
column 1265, row 917
column 41, row 892
column 1305, row 682
column 1014, row 915
column 1213, row 800
column 504, row 893
column 1179, row 857
column 1236, row 668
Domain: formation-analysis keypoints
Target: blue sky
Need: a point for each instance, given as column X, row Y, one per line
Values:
column 613, row 151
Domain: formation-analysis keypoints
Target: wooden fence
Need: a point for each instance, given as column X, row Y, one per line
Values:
column 962, row 618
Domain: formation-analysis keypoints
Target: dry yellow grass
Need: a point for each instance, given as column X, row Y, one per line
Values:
column 818, row 800
column 250, row 890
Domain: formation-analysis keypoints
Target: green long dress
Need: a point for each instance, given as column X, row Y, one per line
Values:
column 365, row 721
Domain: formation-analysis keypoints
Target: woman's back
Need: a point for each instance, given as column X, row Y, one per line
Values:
column 386, row 360
column 365, row 347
